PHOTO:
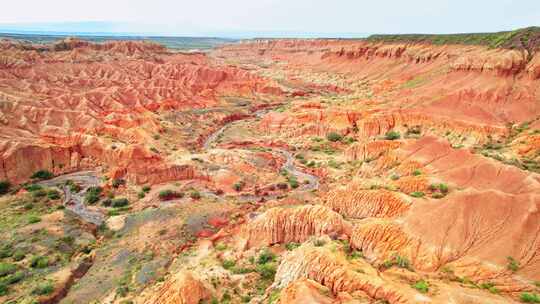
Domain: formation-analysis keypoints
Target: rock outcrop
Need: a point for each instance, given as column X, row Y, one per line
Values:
column 298, row 224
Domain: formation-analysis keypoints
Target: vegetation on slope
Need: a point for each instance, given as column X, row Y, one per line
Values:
column 526, row 38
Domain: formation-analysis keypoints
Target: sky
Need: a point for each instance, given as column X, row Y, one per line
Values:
column 268, row 17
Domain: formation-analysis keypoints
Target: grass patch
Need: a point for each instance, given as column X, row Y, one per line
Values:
column 417, row 194
column 42, row 175
column 392, row 135
column 422, row 286
column 527, row 297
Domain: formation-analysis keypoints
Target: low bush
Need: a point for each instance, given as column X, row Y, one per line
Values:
column 34, row 219
column 6, row 268
column 53, row 194
column 3, row 289
column 333, row 137
column 195, row 195
column 422, row 286
column 33, row 187
column 265, row 256
column 92, row 195
column 118, row 182
column 19, row 255
column 238, row 186
column 291, row 246
column 228, row 264
column 13, row 278
column 527, row 297
column 43, row 289
column 39, row 262
column 146, row 189
column 119, row 202
column 4, row 187
column 39, row 193
column 167, row 195
column 513, row 265
column 417, row 194
column 107, row 202
column 417, row 172
column 392, row 135
column 267, row 271
column 42, row 174
column 398, row 261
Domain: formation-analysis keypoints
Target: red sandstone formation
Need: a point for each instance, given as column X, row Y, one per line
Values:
column 284, row 225
column 182, row 288
column 358, row 203
column 334, row 272
column 61, row 107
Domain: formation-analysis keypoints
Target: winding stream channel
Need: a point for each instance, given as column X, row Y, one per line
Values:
column 289, row 166
column 74, row 201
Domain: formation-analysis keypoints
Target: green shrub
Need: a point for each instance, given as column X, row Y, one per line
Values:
column 443, row 188
column 119, row 202
column 417, row 194
column 6, row 251
column 221, row 246
column 195, row 195
column 319, row 243
column 513, row 265
column 392, row 135
column 107, row 202
column 355, row 254
column 43, row 289
column 19, row 255
column 422, row 286
column 267, row 271
column 394, row 177
column 526, row 297
column 141, row 194
column 3, row 289
column 166, row 195
column 293, row 183
column 228, row 264
column 13, row 278
column 118, row 182
column 92, row 195
column 238, row 186
column 333, row 137
column 53, row 194
column 39, row 193
column 73, row 187
column 42, row 174
column 4, row 187
column 265, row 257
column 34, row 219
column 417, row 172
column 6, row 268
column 39, row 262
column 146, row 189
column 398, row 261
column 33, row 187
column 291, row 246
column 437, row 195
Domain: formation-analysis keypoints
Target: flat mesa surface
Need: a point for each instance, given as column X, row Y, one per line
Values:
column 395, row 169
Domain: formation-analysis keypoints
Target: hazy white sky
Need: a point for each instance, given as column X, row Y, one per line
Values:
column 319, row 16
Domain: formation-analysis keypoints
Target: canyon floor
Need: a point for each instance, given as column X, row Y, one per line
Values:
column 270, row 171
